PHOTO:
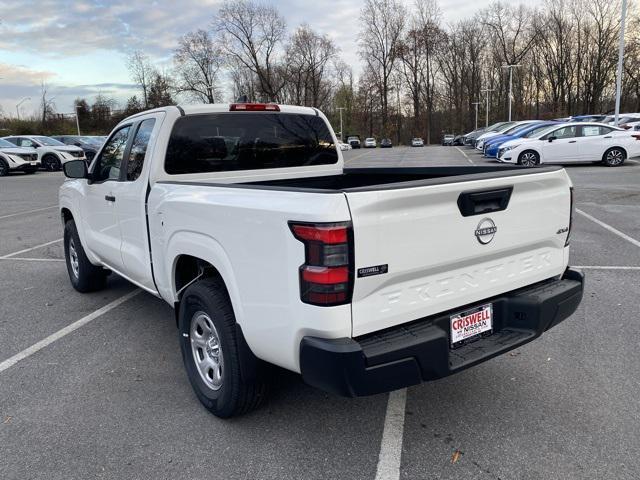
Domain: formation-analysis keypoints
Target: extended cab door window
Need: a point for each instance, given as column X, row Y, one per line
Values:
column 109, row 164
column 135, row 160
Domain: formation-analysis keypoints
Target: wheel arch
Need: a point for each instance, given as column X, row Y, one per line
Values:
column 66, row 215
column 626, row 154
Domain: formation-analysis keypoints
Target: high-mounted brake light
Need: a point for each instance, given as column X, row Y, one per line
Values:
column 254, row 107
column 326, row 277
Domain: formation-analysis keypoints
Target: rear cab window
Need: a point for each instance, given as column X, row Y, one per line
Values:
column 222, row 142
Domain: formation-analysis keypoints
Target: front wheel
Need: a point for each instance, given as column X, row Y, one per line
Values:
column 614, row 157
column 225, row 376
column 529, row 158
column 51, row 163
column 85, row 277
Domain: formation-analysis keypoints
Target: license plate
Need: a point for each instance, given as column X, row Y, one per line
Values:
column 34, row 163
column 471, row 323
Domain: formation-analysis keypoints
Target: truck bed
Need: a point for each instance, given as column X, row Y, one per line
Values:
column 372, row 178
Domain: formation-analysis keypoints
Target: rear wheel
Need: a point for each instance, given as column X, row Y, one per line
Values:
column 51, row 163
column 225, row 376
column 614, row 157
column 85, row 277
column 529, row 158
column 4, row 168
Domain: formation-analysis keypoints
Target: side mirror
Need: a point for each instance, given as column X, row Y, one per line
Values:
column 75, row 169
column 551, row 139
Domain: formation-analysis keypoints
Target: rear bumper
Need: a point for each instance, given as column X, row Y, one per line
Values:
column 419, row 351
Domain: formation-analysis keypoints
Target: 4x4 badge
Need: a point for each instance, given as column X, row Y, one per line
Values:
column 485, row 231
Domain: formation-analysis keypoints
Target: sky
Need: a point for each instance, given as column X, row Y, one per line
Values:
column 78, row 48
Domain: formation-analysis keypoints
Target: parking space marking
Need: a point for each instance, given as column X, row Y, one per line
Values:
column 9, row 255
column 465, row 155
column 36, row 347
column 391, row 443
column 606, row 267
column 28, row 212
column 26, row 259
column 610, row 228
column 353, row 158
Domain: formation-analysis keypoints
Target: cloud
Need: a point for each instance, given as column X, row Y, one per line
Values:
column 24, row 75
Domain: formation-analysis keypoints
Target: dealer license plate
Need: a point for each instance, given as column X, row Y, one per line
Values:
column 471, row 323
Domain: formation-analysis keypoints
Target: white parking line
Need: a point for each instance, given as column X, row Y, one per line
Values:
column 465, row 155
column 353, row 158
column 28, row 212
column 605, row 267
column 9, row 255
column 36, row 347
column 610, row 228
column 391, row 443
column 27, row 259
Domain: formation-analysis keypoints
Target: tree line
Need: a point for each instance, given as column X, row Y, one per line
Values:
column 417, row 75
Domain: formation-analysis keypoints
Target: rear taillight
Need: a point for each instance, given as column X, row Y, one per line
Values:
column 636, row 136
column 326, row 277
column 566, row 244
column 254, row 107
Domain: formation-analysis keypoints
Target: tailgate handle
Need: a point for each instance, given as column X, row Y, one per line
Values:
column 478, row 202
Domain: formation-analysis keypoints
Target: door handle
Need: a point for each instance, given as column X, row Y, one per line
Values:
column 110, row 198
column 572, row 141
column 608, row 136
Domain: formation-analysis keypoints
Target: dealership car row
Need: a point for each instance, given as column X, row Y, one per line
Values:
column 586, row 138
column 28, row 153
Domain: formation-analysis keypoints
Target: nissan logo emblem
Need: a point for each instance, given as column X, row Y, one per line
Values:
column 485, row 231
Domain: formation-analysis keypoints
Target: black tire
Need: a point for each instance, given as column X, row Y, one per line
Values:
column 4, row 168
column 242, row 382
column 529, row 158
column 614, row 157
column 88, row 277
column 51, row 163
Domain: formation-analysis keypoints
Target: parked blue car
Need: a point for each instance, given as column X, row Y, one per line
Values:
column 493, row 144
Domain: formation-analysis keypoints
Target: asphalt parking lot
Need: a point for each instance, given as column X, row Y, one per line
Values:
column 110, row 399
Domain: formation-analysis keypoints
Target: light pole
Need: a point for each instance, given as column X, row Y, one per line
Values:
column 511, row 67
column 77, row 118
column 341, row 133
column 476, row 105
column 620, row 60
column 20, row 103
column 487, row 91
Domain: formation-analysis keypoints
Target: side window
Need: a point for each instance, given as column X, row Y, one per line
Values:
column 139, row 149
column 25, row 142
column 564, row 132
column 110, row 161
column 605, row 130
column 593, row 130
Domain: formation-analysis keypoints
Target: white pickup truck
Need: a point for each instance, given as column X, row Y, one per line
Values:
column 243, row 218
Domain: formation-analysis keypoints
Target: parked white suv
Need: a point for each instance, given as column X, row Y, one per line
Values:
column 14, row 158
column 573, row 142
column 52, row 154
column 243, row 219
column 370, row 143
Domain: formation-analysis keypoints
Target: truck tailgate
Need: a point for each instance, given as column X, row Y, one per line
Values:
column 416, row 254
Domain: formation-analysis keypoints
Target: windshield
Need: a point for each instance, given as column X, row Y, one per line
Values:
column 5, row 144
column 49, row 142
column 526, row 133
column 540, row 132
column 505, row 126
column 221, row 142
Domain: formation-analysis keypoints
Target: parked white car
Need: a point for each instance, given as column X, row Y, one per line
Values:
column 243, row 219
column 573, row 142
column 51, row 153
column 14, row 158
column 370, row 143
column 417, row 142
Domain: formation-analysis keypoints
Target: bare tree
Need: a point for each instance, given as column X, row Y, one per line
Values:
column 142, row 72
column 252, row 35
column 197, row 62
column 47, row 107
column 382, row 23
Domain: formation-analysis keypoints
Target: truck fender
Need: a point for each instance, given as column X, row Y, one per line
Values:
column 208, row 249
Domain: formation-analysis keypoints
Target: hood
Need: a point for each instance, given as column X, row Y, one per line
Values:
column 67, row 148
